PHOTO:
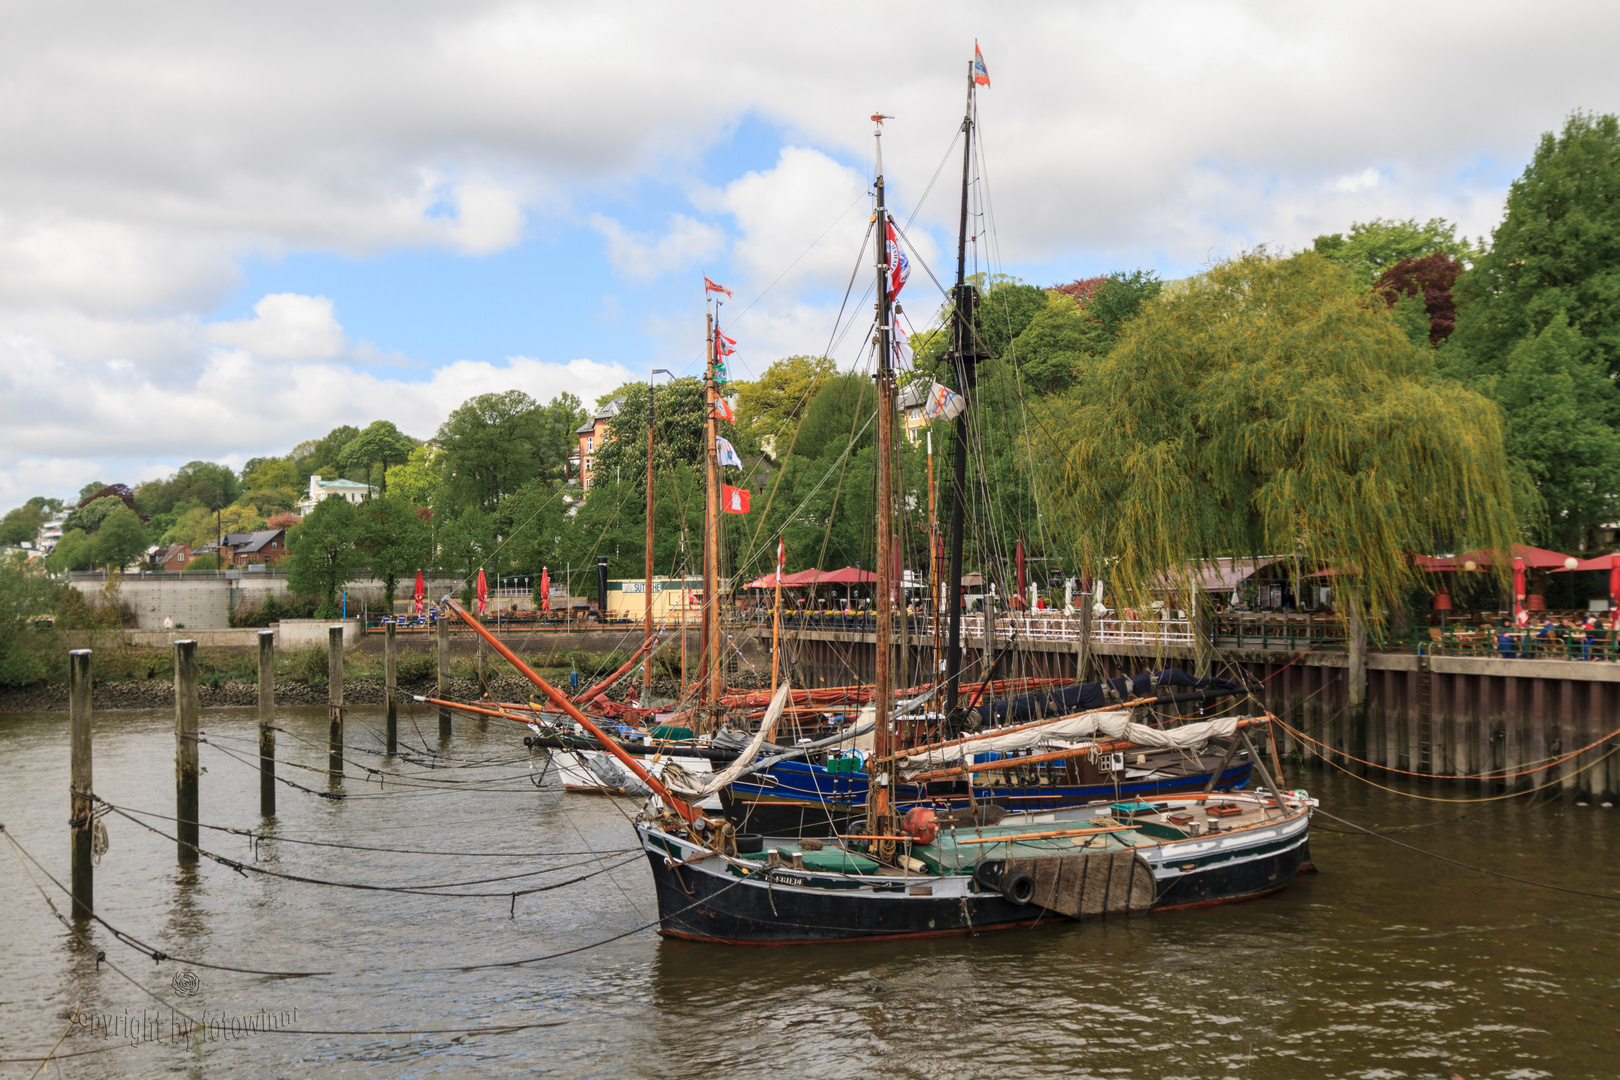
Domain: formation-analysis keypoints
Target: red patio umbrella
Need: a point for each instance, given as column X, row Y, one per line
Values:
column 1534, row 558
column 483, row 592
column 1521, row 616
column 1018, row 564
column 1614, row 592
column 421, row 592
column 545, row 590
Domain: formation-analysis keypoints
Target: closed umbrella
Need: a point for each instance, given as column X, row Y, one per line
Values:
column 545, row 590
column 421, row 592
column 483, row 592
column 1521, row 616
column 1614, row 592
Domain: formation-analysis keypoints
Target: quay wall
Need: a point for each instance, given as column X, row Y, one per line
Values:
column 1441, row 719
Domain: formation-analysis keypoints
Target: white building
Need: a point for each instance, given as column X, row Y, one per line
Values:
column 320, row 489
column 50, row 533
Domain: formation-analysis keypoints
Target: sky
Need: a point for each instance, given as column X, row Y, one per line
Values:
column 227, row 229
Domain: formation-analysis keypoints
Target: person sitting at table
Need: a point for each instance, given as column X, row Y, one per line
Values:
column 1506, row 643
column 1587, row 635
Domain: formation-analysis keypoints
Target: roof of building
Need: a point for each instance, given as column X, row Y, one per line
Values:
column 341, row 485
column 606, row 412
column 253, row 541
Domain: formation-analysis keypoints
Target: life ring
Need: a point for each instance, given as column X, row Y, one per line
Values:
column 1129, row 615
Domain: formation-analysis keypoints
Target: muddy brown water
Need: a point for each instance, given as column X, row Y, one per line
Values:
column 1386, row 963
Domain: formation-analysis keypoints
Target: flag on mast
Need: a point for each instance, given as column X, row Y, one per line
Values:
column 727, row 340
column 781, row 558
column 722, row 410
column 727, row 454
column 709, row 287
column 733, row 500
column 899, row 265
column 980, row 74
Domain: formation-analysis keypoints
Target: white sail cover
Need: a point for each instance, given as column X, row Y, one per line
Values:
column 1072, row 731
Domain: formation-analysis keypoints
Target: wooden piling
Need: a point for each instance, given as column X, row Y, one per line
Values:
column 267, row 723
column 81, row 818
column 334, row 699
column 391, row 685
column 444, row 677
column 186, row 768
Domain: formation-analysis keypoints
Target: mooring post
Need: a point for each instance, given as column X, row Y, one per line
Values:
column 81, row 816
column 185, row 749
column 391, row 685
column 334, row 698
column 444, row 677
column 267, row 723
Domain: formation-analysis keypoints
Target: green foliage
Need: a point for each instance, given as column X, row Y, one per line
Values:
column 205, row 562
column 1562, row 410
column 1548, row 291
column 678, row 418
column 272, row 474
column 122, row 539
column 199, row 483
column 76, row 611
column 395, row 540
column 323, row 457
column 380, row 444
column 1052, row 348
column 1377, row 245
column 416, row 481
column 324, row 557
column 273, row 610
column 27, row 600
column 75, row 551
column 495, row 443
column 770, row 407
column 308, row 663
column 89, row 518
column 1118, row 300
column 21, row 524
column 1270, row 409
column 1006, row 307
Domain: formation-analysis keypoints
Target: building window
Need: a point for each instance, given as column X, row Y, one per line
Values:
column 590, row 444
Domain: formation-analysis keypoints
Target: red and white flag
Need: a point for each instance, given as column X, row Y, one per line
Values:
column 781, row 558
column 722, row 410
column 980, row 74
column 899, row 265
column 728, row 340
column 733, row 500
column 709, row 287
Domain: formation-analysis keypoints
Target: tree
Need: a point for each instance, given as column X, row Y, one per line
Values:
column 21, row 524
column 416, row 481
column 1052, row 347
column 89, row 518
column 1557, row 249
column 321, row 457
column 772, row 404
column 240, row 518
column 1547, row 290
column 273, row 474
column 394, row 539
column 1377, row 245
column 324, row 556
column 205, row 562
column 199, row 483
column 89, row 490
column 1429, row 314
column 1006, row 306
column 1118, row 300
column 493, row 444
column 380, row 444
column 75, row 551
column 678, row 432
column 27, row 599
column 121, row 539
column 194, row 528
column 1272, row 408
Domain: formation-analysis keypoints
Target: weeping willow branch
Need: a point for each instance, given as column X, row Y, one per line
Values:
column 1269, row 409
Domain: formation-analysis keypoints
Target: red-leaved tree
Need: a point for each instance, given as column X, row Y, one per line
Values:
column 1434, row 275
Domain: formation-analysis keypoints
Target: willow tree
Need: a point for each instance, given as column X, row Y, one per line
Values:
column 1270, row 408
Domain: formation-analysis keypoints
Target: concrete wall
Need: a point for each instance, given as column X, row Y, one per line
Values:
column 247, row 638
column 198, row 603
column 296, row 633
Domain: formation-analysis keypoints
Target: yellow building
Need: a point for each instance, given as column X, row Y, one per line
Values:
column 626, row 598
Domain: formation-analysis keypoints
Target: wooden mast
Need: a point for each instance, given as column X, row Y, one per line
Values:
column 878, row 807
column 646, row 667
column 711, row 527
column 964, row 356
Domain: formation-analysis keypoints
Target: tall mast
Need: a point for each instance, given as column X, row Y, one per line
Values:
column 883, row 696
column 646, row 667
column 964, row 358
column 711, row 525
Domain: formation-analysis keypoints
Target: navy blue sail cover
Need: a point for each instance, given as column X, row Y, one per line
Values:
column 1060, row 700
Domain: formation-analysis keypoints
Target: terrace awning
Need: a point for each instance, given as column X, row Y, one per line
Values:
column 1534, row 559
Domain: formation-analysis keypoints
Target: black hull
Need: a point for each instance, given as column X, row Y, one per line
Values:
column 701, row 906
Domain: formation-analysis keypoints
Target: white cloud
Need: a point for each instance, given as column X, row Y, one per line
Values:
column 1361, row 181
column 287, row 326
column 642, row 258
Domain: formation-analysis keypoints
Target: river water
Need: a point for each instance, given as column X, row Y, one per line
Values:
column 1386, row 963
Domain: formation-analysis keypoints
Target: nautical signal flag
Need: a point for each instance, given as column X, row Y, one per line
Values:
column 727, row 340
column 733, row 500
column 728, row 455
column 980, row 75
column 709, row 287
column 722, row 410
